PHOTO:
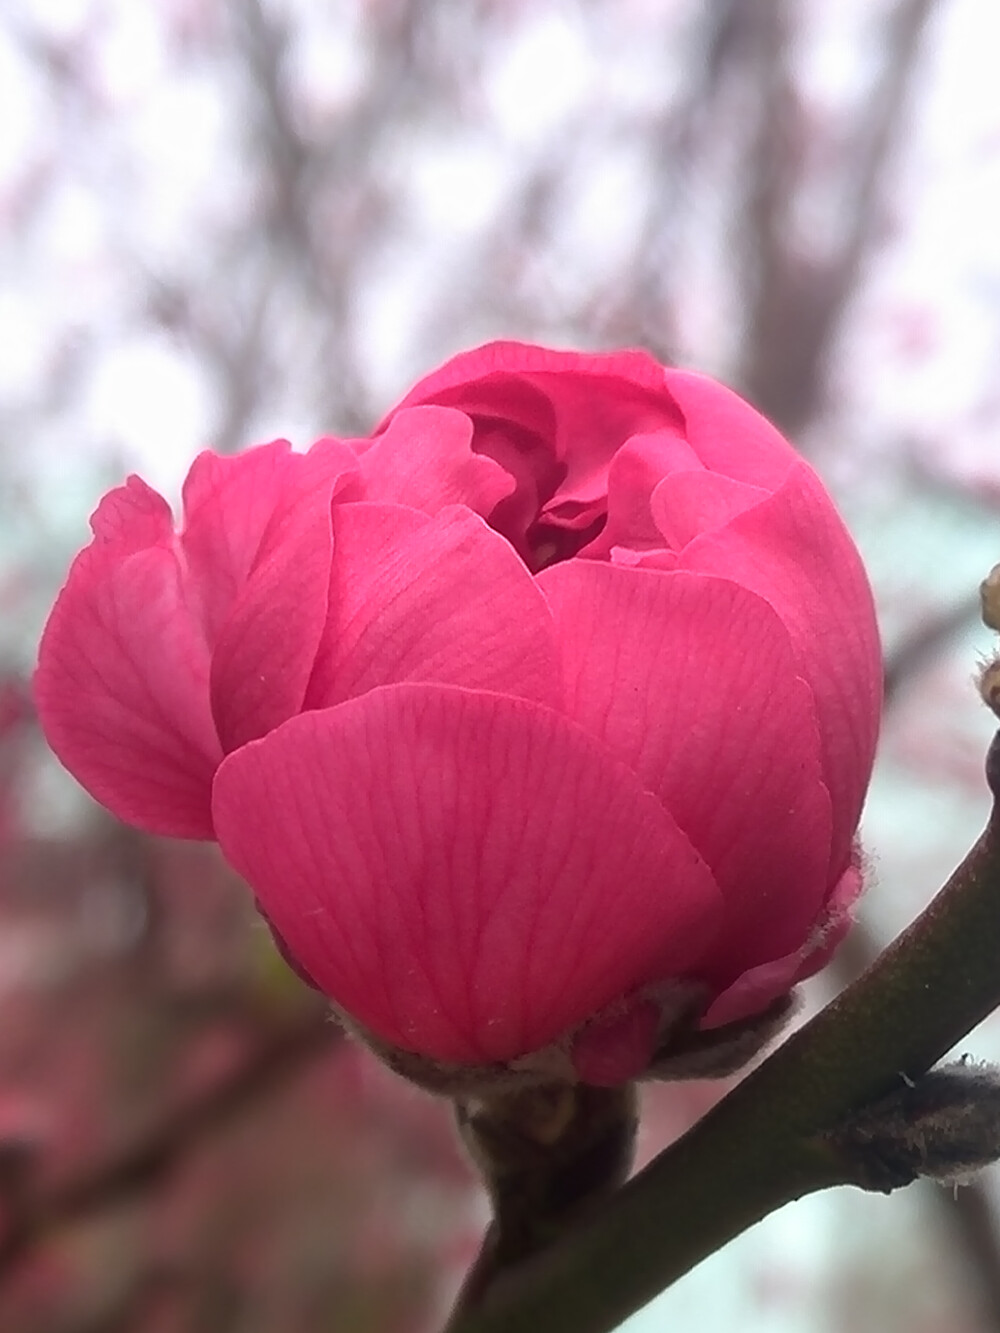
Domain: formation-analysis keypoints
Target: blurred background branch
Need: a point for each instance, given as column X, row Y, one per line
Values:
column 147, row 1164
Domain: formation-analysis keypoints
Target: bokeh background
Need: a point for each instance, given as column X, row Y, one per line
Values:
column 229, row 220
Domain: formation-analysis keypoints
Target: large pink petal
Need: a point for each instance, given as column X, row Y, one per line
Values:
column 468, row 875
column 692, row 681
column 425, row 460
column 122, row 679
column 442, row 599
column 794, row 551
column 727, row 434
column 267, row 644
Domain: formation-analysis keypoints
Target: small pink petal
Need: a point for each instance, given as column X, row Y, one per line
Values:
column 686, row 504
column 727, row 434
column 468, row 875
column 794, row 551
column 611, row 1051
column 442, row 599
column 122, row 679
column 597, row 413
column 514, row 424
column 692, row 682
column 751, row 993
column 131, row 518
column 637, row 469
column 661, row 559
column 424, row 459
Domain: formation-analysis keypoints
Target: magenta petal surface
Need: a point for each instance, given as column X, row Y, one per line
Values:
column 753, row 991
column 759, row 986
column 425, row 460
column 693, row 682
column 637, row 469
column 794, row 551
column 615, row 1049
column 727, row 434
column 228, row 503
column 469, row 875
column 686, row 504
column 266, row 650
column 121, row 684
column 267, row 644
column 420, row 599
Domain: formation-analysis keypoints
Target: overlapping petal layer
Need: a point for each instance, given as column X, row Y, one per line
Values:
column 794, row 551
column 666, row 669
column 442, row 599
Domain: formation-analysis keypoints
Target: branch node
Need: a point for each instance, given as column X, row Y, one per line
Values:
column 945, row 1125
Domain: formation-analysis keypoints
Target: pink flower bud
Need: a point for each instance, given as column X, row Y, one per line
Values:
column 540, row 721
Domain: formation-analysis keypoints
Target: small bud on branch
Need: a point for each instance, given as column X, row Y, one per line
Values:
column 945, row 1125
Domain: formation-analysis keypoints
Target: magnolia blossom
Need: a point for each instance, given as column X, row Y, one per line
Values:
column 549, row 703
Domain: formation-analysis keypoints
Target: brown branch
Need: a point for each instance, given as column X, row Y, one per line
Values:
column 139, row 1167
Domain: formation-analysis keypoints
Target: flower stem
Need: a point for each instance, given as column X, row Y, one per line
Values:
column 546, row 1154
column 762, row 1146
